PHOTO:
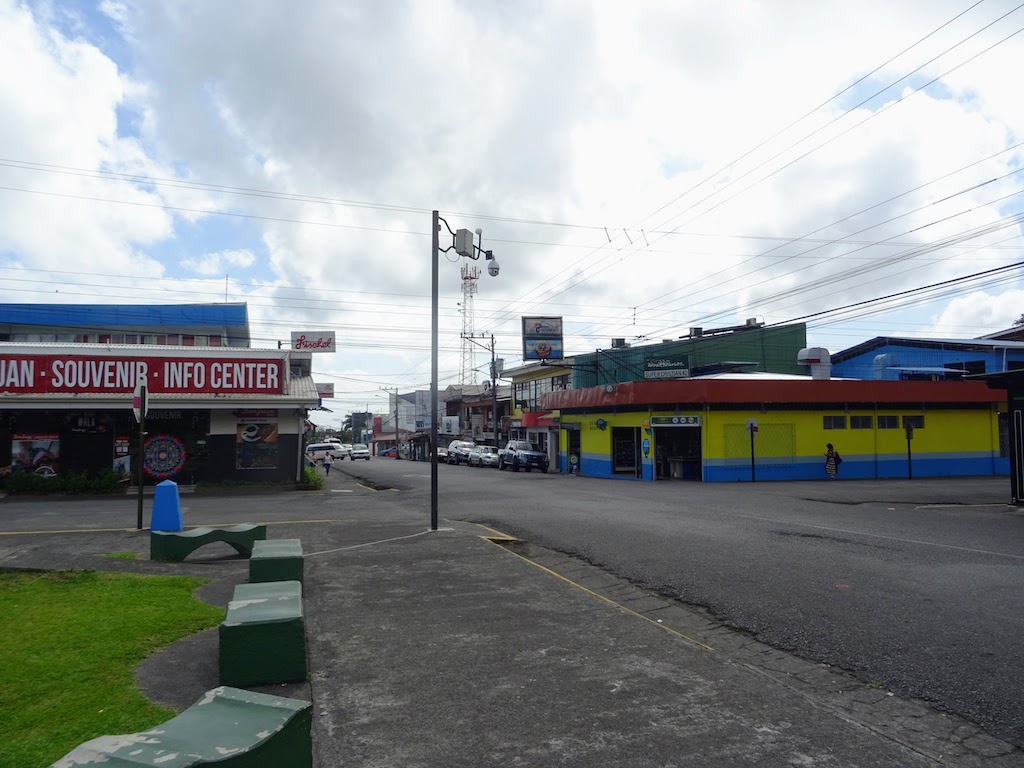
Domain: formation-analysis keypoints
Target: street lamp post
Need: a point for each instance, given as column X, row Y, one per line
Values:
column 462, row 244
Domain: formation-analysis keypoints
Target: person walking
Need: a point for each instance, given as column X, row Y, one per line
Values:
column 328, row 460
column 832, row 461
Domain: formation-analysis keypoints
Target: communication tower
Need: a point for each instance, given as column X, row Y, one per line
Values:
column 470, row 274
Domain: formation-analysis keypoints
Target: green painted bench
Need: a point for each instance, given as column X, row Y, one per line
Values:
column 263, row 635
column 276, row 560
column 175, row 546
column 228, row 728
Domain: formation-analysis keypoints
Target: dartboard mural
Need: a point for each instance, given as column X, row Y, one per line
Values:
column 165, row 456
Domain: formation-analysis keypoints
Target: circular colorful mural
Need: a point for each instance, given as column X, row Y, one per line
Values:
column 165, row 456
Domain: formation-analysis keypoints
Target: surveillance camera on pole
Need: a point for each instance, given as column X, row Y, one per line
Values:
column 492, row 268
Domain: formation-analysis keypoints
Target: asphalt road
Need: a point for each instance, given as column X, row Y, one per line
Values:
column 914, row 585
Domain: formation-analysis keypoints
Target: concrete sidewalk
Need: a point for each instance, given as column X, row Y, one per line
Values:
column 454, row 648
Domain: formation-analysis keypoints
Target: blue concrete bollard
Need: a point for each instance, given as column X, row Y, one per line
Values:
column 166, row 508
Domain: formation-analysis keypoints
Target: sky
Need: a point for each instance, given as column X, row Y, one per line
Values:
column 637, row 169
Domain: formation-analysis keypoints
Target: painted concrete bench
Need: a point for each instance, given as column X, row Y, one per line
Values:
column 263, row 636
column 174, row 546
column 276, row 560
column 228, row 727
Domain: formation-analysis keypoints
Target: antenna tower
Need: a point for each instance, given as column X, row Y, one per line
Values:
column 470, row 274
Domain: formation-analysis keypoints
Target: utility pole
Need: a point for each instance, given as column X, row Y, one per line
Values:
column 494, row 390
column 388, row 390
column 494, row 382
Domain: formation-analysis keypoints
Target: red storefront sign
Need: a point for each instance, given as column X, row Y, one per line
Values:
column 54, row 374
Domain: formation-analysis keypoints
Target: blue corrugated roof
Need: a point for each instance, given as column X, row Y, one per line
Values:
column 113, row 315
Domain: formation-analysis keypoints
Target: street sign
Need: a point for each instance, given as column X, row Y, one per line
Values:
column 140, row 401
column 752, row 426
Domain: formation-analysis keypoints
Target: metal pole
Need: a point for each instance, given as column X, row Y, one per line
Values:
column 434, row 248
column 494, row 391
column 396, row 424
column 142, row 450
column 753, row 477
column 910, row 467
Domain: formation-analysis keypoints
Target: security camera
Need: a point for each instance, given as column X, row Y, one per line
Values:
column 492, row 268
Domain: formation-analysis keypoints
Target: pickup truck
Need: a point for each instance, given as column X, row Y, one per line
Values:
column 520, row 454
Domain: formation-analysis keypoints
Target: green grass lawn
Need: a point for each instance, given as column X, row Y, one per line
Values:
column 69, row 642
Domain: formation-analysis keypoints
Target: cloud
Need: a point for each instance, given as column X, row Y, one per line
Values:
column 636, row 169
column 217, row 263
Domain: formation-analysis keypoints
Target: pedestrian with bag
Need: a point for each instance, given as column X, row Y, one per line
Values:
column 328, row 460
column 832, row 461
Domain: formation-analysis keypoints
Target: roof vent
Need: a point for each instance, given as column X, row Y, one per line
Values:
column 752, row 321
column 819, row 360
column 618, row 343
column 696, row 332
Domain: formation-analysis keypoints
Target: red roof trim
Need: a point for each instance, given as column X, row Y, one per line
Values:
column 700, row 391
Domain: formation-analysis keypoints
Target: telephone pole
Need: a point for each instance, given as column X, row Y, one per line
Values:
column 388, row 390
column 495, row 372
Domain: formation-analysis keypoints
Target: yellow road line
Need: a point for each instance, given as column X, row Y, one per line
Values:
column 73, row 530
column 608, row 600
column 143, row 530
column 497, row 533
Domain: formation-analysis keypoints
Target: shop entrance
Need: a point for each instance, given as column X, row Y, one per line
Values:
column 573, row 446
column 677, row 453
column 626, row 451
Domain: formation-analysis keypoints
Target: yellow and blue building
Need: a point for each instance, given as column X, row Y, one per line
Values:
column 743, row 427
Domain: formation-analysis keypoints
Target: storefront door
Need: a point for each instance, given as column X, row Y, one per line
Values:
column 626, row 451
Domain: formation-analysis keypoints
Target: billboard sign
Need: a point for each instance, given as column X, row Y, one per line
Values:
column 325, row 390
column 542, row 338
column 313, row 341
column 111, row 374
column 666, row 368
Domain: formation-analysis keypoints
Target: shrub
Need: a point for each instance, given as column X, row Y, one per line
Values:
column 311, row 479
column 27, row 483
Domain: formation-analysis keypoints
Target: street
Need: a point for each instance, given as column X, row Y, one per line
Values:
column 911, row 585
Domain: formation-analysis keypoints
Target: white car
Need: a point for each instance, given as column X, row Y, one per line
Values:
column 317, row 451
column 359, row 451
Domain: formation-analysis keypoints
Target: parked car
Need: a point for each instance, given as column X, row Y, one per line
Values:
column 359, row 451
column 442, row 454
column 389, row 452
column 317, row 451
column 458, row 451
column 483, row 456
column 519, row 454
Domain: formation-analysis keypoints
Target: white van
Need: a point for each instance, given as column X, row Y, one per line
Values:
column 317, row 451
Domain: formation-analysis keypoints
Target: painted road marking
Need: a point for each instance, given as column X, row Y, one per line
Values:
column 146, row 530
column 502, row 538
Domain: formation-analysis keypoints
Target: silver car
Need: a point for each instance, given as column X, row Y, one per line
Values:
column 359, row 451
column 483, row 456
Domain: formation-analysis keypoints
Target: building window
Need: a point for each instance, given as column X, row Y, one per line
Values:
column 888, row 422
column 188, row 341
column 526, row 396
column 560, row 382
column 131, row 338
column 917, row 422
column 860, row 422
column 216, row 341
column 834, row 422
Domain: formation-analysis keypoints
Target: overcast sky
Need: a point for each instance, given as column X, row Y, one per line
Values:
column 637, row 168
